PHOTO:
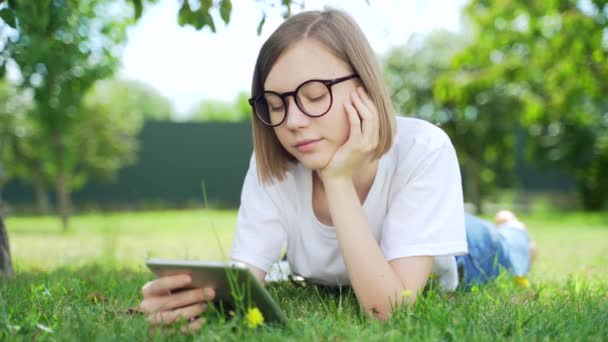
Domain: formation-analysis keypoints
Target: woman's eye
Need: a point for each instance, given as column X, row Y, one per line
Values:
column 274, row 108
column 316, row 98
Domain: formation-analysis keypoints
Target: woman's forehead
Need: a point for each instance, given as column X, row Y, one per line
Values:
column 305, row 60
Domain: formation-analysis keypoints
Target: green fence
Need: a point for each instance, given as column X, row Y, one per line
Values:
column 174, row 158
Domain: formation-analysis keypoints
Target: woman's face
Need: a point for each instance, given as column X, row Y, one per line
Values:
column 311, row 140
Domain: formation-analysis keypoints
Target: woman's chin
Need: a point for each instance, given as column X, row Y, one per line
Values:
column 313, row 162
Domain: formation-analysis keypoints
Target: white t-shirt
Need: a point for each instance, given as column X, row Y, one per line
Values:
column 414, row 207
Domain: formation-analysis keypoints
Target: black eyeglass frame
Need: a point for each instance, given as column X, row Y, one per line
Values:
column 283, row 97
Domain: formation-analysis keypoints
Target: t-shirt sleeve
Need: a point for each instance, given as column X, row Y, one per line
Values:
column 260, row 233
column 426, row 211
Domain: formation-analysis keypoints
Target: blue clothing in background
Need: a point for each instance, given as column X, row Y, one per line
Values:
column 492, row 249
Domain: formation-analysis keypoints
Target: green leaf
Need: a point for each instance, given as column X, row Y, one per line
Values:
column 8, row 15
column 198, row 19
column 225, row 10
column 208, row 20
column 2, row 70
column 202, row 18
column 261, row 24
column 137, row 5
column 287, row 5
column 184, row 15
column 206, row 4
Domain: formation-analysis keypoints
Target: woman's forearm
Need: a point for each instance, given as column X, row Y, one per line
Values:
column 376, row 285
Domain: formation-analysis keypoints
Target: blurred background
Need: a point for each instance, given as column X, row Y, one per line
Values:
column 135, row 105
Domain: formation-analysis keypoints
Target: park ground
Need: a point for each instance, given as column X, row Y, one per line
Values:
column 84, row 284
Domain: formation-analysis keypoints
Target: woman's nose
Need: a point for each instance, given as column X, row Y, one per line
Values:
column 295, row 116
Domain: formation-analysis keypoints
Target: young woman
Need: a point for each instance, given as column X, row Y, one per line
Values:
column 361, row 197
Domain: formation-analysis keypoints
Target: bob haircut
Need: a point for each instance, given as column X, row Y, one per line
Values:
column 340, row 34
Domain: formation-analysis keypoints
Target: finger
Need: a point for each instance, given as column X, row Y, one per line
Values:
column 177, row 300
column 368, row 120
column 190, row 297
column 171, row 316
column 193, row 326
column 374, row 117
column 359, row 104
column 361, row 109
column 367, row 100
column 163, row 285
column 354, row 120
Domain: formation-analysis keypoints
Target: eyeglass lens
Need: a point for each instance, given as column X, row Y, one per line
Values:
column 313, row 98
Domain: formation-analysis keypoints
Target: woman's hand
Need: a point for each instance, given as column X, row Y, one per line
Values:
column 362, row 140
column 164, row 307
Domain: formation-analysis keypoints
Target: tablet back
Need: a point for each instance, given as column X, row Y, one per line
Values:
column 232, row 281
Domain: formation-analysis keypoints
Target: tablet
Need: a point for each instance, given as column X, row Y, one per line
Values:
column 227, row 278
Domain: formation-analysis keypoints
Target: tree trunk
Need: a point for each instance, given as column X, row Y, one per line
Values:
column 42, row 199
column 63, row 198
column 6, row 266
column 61, row 182
column 474, row 185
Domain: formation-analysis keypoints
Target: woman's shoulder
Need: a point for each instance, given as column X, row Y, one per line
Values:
column 416, row 142
column 420, row 133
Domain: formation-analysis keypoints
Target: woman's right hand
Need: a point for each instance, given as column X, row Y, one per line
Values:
column 164, row 307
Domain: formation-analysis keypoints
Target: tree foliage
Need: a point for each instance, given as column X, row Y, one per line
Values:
column 16, row 145
column 215, row 110
column 550, row 59
column 62, row 47
column 198, row 13
column 107, row 135
column 481, row 127
column 133, row 96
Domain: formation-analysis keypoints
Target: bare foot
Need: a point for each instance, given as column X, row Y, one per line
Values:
column 506, row 217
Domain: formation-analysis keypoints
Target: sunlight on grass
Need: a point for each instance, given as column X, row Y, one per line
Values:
column 127, row 237
column 573, row 244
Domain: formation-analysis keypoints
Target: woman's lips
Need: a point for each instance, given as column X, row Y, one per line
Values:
column 307, row 146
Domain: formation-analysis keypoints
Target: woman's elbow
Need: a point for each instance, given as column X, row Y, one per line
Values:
column 383, row 312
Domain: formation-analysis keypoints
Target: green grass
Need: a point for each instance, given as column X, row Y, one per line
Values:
column 81, row 285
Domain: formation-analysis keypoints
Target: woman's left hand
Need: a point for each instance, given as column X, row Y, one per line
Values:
column 362, row 140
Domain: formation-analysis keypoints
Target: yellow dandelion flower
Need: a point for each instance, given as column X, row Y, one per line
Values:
column 254, row 317
column 521, row 281
column 406, row 293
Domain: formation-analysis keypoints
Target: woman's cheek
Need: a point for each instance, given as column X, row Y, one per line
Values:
column 280, row 136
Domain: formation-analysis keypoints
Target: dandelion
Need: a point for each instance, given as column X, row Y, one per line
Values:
column 407, row 293
column 521, row 281
column 254, row 317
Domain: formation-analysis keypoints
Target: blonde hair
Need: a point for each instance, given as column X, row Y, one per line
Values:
column 341, row 35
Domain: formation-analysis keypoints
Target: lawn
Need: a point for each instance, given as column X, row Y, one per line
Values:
column 82, row 285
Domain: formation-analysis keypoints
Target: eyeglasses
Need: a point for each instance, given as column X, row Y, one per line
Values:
column 313, row 97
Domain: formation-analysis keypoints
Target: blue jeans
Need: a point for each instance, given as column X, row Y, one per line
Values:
column 492, row 249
